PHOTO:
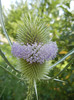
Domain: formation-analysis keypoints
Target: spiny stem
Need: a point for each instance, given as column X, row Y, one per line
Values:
column 30, row 90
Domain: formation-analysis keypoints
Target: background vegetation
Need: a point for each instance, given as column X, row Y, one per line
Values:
column 59, row 19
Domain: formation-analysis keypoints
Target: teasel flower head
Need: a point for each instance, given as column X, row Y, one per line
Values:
column 33, row 48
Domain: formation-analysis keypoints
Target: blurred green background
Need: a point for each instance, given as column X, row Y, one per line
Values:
column 59, row 19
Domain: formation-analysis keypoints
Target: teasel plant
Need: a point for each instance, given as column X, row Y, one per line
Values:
column 33, row 49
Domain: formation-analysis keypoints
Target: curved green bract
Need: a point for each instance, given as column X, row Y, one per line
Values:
column 34, row 70
column 32, row 30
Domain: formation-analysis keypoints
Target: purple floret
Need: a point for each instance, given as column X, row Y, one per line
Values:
column 36, row 52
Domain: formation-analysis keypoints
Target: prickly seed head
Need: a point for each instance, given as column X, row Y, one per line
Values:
column 33, row 49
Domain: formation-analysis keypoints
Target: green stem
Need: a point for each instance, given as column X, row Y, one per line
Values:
column 30, row 90
column 2, row 23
